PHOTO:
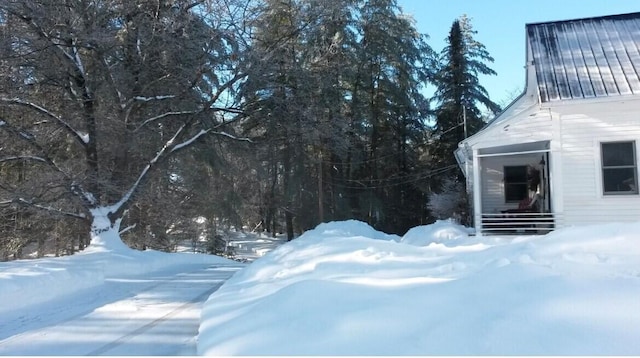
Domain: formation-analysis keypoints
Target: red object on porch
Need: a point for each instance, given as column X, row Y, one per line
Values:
column 524, row 203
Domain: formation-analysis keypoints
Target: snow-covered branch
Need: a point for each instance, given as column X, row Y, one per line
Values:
column 30, row 203
column 30, row 138
column 81, row 137
column 88, row 198
column 113, row 84
column 128, row 228
column 23, row 157
column 182, row 113
column 167, row 148
column 225, row 134
column 76, row 58
column 189, row 141
column 164, row 115
column 153, row 98
column 73, row 55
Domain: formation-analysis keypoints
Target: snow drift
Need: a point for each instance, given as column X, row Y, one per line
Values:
column 345, row 289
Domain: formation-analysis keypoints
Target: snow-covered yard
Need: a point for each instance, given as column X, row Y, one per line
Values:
column 346, row 289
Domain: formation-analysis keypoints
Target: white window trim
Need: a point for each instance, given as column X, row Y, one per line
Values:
column 599, row 177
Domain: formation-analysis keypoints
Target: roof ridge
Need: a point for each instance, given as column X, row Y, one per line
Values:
column 631, row 15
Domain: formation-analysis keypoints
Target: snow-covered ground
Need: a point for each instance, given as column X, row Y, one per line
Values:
column 250, row 246
column 107, row 300
column 345, row 289
column 340, row 289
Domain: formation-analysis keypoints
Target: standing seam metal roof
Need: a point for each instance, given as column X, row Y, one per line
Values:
column 586, row 58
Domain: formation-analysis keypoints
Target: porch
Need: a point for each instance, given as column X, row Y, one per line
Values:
column 512, row 191
column 519, row 223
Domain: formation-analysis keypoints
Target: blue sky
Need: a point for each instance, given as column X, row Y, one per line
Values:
column 501, row 28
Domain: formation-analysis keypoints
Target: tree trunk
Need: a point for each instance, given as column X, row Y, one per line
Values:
column 288, row 217
column 320, row 190
column 270, row 220
column 105, row 230
column 40, row 250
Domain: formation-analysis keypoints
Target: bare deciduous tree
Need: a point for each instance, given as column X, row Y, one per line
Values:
column 98, row 94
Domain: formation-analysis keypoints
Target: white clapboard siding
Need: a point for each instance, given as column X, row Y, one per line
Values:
column 582, row 130
column 519, row 130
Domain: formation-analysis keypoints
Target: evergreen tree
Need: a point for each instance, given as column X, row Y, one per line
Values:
column 459, row 98
column 273, row 95
column 389, row 112
column 459, row 94
column 330, row 59
column 335, row 103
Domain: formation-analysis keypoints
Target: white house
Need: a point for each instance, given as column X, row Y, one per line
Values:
column 577, row 123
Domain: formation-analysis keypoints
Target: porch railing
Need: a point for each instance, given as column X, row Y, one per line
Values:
column 519, row 223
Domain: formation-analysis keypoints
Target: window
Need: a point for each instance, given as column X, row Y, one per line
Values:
column 619, row 170
column 515, row 183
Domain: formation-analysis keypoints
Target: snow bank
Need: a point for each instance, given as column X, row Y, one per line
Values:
column 441, row 232
column 348, row 228
column 347, row 289
column 341, row 290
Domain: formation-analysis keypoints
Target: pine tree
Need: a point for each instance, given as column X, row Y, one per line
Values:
column 337, row 108
column 459, row 95
column 459, row 98
column 389, row 110
column 329, row 58
column 272, row 92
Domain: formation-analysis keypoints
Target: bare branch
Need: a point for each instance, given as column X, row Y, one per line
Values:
column 112, row 82
column 49, row 209
column 228, row 110
column 72, row 55
column 225, row 87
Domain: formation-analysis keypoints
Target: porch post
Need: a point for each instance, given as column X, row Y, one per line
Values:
column 477, row 187
column 554, row 167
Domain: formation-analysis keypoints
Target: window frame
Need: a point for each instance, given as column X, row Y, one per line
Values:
column 605, row 168
column 523, row 183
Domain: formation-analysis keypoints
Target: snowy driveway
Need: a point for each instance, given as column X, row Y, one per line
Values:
column 155, row 314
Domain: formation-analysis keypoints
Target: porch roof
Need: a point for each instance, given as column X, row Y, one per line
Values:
column 463, row 153
column 515, row 149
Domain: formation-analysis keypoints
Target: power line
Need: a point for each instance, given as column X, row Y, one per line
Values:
column 398, row 177
column 364, row 161
column 417, row 178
